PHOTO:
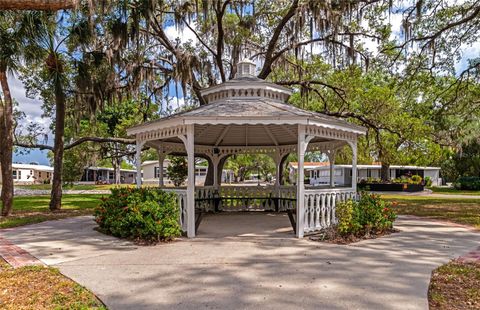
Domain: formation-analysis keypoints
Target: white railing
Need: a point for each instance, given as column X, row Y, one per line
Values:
column 319, row 211
column 204, row 198
column 182, row 205
column 287, row 198
column 243, row 198
column 320, row 206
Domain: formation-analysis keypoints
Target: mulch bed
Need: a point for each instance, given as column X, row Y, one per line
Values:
column 330, row 235
column 40, row 287
column 455, row 285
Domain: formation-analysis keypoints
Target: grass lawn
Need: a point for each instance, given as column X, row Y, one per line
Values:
column 453, row 191
column 80, row 187
column 34, row 209
column 42, row 288
column 457, row 210
column 455, row 286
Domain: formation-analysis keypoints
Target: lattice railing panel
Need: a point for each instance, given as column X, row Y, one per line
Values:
column 243, row 198
column 182, row 205
column 320, row 207
column 287, row 198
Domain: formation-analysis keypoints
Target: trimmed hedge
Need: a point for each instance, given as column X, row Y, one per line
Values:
column 369, row 215
column 468, row 183
column 142, row 214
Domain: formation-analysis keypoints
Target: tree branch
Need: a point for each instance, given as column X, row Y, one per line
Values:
column 34, row 146
column 199, row 38
column 76, row 143
column 340, row 92
column 365, row 121
column 439, row 32
column 267, row 65
column 220, row 11
column 99, row 140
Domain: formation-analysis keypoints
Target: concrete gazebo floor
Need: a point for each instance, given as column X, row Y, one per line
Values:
column 246, row 225
column 249, row 261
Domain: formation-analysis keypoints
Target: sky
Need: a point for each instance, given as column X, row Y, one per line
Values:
column 33, row 112
column 33, row 107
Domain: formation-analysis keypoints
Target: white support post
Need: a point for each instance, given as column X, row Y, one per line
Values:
column 161, row 159
column 138, row 161
column 301, row 147
column 354, row 165
column 191, row 182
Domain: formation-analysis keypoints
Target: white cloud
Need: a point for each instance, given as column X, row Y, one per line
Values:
column 33, row 113
column 396, row 21
column 185, row 35
column 31, row 107
column 175, row 104
column 468, row 52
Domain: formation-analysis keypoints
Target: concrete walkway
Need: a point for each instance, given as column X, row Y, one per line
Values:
column 249, row 261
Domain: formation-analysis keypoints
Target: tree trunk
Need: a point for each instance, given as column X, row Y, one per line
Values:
column 117, row 162
column 221, row 164
column 241, row 174
column 45, row 5
column 6, row 150
column 209, row 176
column 281, row 180
column 384, row 172
column 56, row 195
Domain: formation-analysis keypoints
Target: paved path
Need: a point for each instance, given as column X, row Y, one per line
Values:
column 16, row 256
column 249, row 261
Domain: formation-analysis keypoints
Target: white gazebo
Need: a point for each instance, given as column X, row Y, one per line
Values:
column 250, row 115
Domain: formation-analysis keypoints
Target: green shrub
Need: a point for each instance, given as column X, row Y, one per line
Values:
column 428, row 181
column 415, row 179
column 373, row 180
column 348, row 218
column 142, row 214
column 468, row 183
column 369, row 215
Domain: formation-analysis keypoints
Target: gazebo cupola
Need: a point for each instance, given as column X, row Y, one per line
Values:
column 246, row 85
column 246, row 68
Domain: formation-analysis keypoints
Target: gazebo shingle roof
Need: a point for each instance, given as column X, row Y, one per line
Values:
column 256, row 108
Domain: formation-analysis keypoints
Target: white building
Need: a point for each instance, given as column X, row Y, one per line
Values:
column 107, row 175
column 318, row 173
column 31, row 174
column 151, row 173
